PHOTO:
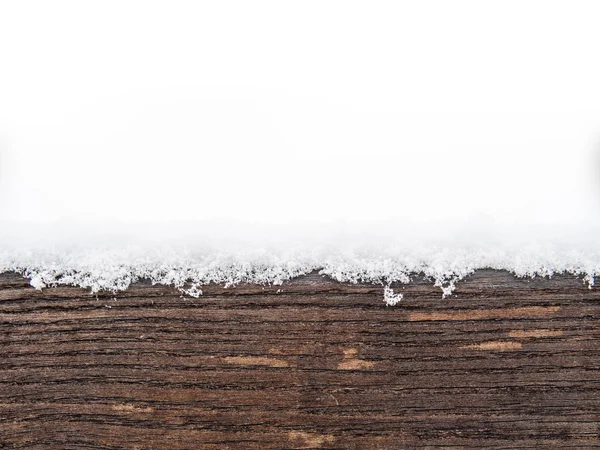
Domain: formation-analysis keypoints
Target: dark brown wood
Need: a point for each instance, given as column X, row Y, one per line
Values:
column 503, row 363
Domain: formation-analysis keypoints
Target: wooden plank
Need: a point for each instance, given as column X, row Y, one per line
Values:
column 504, row 363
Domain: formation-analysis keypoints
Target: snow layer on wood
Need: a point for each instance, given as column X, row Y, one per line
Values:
column 190, row 255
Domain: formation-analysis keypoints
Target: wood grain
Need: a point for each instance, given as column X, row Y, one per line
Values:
column 504, row 363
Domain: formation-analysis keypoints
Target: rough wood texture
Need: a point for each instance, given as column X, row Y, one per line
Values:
column 504, row 363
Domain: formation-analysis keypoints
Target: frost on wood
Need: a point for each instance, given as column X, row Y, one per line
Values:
column 188, row 258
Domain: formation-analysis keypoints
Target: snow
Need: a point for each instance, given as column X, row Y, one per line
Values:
column 190, row 255
column 226, row 142
column 390, row 297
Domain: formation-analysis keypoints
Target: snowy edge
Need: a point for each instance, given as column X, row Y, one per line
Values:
column 190, row 279
column 110, row 257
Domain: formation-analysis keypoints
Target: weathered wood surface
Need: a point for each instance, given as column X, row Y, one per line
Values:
column 504, row 363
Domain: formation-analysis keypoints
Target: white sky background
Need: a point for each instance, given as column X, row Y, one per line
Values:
column 285, row 111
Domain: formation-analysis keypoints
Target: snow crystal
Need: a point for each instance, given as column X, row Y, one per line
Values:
column 390, row 298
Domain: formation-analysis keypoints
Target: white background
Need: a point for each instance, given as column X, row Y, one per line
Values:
column 284, row 111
